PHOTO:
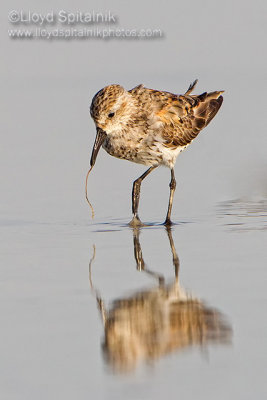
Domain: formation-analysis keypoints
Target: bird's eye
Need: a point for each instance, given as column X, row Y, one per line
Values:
column 110, row 115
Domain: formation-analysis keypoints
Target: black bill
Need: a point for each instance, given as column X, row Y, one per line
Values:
column 100, row 137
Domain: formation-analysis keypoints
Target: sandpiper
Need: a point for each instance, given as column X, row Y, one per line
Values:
column 149, row 127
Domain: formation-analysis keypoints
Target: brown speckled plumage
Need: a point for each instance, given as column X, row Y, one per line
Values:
column 148, row 126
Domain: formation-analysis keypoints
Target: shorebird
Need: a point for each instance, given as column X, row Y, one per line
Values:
column 149, row 127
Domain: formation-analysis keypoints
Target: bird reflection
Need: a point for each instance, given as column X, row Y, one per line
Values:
column 155, row 322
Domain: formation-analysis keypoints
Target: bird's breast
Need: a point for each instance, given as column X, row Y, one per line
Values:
column 142, row 149
column 122, row 146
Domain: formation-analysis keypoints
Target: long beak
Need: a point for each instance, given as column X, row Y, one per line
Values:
column 100, row 137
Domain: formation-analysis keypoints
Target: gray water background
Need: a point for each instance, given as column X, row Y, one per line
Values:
column 51, row 331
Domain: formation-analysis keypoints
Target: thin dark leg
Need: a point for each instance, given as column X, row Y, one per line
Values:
column 172, row 190
column 136, row 195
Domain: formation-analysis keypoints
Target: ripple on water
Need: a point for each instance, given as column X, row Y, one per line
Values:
column 244, row 214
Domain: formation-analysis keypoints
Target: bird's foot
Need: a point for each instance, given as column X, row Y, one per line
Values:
column 136, row 222
column 168, row 223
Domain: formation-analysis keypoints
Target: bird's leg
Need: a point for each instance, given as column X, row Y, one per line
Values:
column 135, row 197
column 172, row 190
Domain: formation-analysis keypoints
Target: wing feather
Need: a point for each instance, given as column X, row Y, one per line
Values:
column 184, row 117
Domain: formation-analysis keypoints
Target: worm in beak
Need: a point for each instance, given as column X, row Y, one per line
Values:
column 100, row 137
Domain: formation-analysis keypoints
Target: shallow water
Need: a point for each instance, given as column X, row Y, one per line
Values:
column 200, row 335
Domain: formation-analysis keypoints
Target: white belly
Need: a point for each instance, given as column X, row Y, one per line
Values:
column 150, row 152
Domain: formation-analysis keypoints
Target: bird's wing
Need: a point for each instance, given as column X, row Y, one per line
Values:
column 183, row 117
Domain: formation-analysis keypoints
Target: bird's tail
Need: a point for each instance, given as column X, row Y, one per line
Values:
column 208, row 106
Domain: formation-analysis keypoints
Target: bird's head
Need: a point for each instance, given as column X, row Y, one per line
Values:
column 112, row 109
